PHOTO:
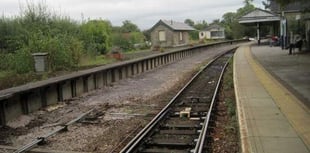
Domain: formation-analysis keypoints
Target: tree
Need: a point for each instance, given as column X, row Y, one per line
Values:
column 127, row 35
column 96, row 35
column 201, row 25
column 216, row 21
column 128, row 26
column 147, row 34
column 234, row 30
column 284, row 3
column 247, row 2
column 189, row 22
column 126, row 41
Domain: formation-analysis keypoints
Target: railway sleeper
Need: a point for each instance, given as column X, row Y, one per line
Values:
column 187, row 103
column 179, row 132
column 181, row 126
column 194, row 109
column 163, row 150
column 171, row 144
column 192, row 115
column 180, row 123
column 198, row 99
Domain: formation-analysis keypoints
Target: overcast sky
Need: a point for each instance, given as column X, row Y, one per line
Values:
column 144, row 13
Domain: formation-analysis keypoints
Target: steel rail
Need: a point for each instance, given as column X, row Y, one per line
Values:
column 202, row 136
column 42, row 139
column 133, row 143
column 137, row 139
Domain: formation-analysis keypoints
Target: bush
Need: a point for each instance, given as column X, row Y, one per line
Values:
column 96, row 35
column 4, row 61
column 23, row 61
column 64, row 52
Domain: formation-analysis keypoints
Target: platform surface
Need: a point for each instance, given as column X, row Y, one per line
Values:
column 271, row 117
column 292, row 70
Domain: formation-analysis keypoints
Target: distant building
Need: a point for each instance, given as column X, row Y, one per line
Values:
column 259, row 18
column 213, row 31
column 170, row 34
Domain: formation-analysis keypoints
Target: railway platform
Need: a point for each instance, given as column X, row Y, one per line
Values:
column 272, row 93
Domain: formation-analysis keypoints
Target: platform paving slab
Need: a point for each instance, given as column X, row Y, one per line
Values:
column 264, row 127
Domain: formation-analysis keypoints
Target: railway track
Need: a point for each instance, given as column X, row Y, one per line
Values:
column 42, row 140
column 181, row 127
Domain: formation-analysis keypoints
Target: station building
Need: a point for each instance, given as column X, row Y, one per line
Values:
column 168, row 33
column 213, row 31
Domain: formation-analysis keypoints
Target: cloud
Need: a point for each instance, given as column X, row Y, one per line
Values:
column 144, row 13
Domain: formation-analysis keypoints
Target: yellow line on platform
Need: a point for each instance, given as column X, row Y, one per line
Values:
column 295, row 111
column 245, row 145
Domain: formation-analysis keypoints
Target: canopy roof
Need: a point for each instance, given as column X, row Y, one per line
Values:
column 259, row 15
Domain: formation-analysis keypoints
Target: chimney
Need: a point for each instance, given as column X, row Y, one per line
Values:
column 171, row 22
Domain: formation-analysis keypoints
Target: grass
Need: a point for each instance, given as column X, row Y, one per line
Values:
column 98, row 60
column 4, row 74
column 228, row 90
column 137, row 51
column 10, row 79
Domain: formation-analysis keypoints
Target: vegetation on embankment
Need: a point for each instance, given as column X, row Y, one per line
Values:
column 70, row 45
column 73, row 45
column 225, row 133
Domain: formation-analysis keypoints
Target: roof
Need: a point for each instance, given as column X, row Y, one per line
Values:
column 213, row 26
column 173, row 25
column 259, row 15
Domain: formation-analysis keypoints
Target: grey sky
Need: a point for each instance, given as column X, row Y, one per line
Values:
column 144, row 13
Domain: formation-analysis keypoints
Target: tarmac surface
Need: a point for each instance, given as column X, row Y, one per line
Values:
column 272, row 93
column 293, row 71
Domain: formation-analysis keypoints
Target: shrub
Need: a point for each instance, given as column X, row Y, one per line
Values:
column 23, row 61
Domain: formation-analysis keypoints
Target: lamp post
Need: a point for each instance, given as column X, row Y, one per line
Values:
column 298, row 23
column 283, row 25
column 258, row 35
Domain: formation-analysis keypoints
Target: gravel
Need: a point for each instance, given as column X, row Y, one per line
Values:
column 121, row 108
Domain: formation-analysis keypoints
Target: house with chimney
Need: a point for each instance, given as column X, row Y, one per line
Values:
column 168, row 33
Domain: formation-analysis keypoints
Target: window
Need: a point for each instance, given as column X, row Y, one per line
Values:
column 181, row 36
column 162, row 35
column 217, row 34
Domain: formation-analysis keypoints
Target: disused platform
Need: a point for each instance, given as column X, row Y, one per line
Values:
column 273, row 92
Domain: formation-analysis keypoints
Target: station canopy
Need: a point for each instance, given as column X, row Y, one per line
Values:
column 259, row 16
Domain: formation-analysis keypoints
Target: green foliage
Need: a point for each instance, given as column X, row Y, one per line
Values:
column 234, row 30
column 128, row 26
column 19, row 62
column 23, row 61
column 96, row 35
column 5, row 61
column 68, row 43
column 126, row 41
column 201, row 26
column 147, row 34
column 39, row 30
column 12, row 35
column 65, row 51
column 189, row 22
column 194, row 35
column 97, row 60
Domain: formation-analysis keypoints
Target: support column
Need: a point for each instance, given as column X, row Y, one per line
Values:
column 2, row 114
column 258, row 30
